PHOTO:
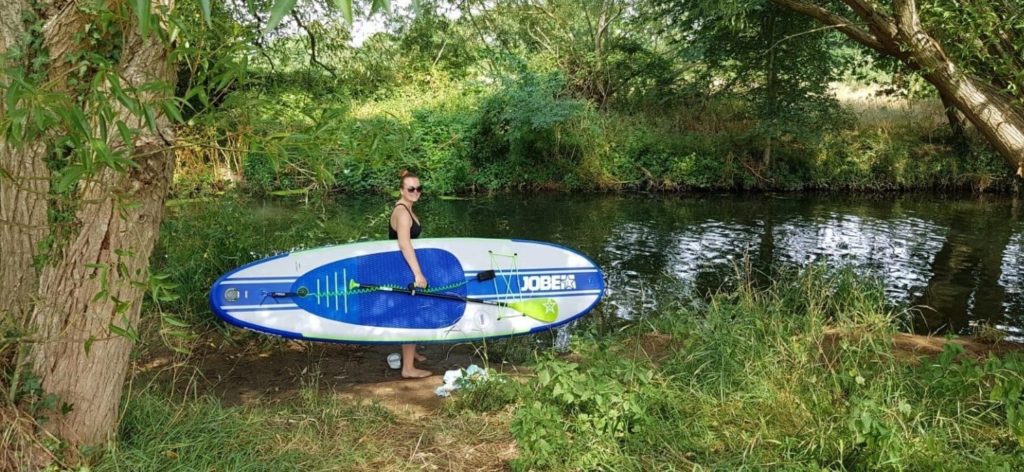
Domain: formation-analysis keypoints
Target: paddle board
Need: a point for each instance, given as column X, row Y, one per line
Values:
column 358, row 293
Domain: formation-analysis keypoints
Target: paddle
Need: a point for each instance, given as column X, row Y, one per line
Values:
column 540, row 309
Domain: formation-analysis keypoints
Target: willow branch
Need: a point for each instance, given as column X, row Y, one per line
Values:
column 312, row 46
column 847, row 27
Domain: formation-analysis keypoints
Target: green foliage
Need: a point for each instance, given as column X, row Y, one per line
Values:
column 777, row 61
column 798, row 375
column 606, row 51
column 523, row 129
column 982, row 38
column 201, row 241
column 567, row 403
column 565, row 95
column 880, row 159
column 992, row 383
column 492, row 393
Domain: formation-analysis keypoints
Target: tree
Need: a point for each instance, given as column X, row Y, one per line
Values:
column 774, row 61
column 85, row 139
column 967, row 50
column 599, row 46
column 86, row 163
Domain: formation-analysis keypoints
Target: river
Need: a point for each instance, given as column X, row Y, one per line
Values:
column 958, row 260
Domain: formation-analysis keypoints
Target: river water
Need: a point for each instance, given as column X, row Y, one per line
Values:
column 960, row 260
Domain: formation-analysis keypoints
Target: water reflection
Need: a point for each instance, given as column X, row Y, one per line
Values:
column 959, row 260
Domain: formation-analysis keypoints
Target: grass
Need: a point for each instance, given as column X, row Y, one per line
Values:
column 799, row 375
column 315, row 431
column 308, row 434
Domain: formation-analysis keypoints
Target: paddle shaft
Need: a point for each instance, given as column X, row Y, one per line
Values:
column 385, row 288
column 445, row 296
column 544, row 310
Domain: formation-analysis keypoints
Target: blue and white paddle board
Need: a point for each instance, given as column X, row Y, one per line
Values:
column 320, row 294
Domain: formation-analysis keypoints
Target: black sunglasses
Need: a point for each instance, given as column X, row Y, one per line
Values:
column 415, row 189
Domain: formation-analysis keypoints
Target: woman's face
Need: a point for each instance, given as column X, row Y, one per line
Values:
column 411, row 189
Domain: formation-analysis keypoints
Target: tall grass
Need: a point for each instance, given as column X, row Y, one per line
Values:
column 798, row 376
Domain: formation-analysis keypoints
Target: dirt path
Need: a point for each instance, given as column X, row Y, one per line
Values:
column 275, row 373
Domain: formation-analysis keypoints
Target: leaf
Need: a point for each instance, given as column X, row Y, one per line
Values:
column 121, row 306
column 277, row 13
column 124, row 333
column 175, row 322
column 69, row 176
column 380, row 5
column 171, row 109
column 150, row 117
column 126, row 133
column 115, row 87
column 204, row 98
column 346, row 9
column 77, row 117
column 142, row 10
column 206, row 11
column 88, row 344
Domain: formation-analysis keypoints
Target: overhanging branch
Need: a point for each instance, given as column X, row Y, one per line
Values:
column 847, row 27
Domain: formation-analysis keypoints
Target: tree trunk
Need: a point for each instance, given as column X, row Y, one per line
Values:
column 991, row 111
column 956, row 123
column 24, row 185
column 79, row 359
column 901, row 35
column 96, row 279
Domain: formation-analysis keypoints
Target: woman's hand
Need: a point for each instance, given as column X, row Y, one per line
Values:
column 421, row 281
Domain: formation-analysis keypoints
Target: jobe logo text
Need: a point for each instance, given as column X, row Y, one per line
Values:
column 534, row 283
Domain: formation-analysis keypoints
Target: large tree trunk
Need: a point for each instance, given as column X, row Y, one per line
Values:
column 95, row 277
column 79, row 359
column 991, row 111
column 24, row 185
column 899, row 34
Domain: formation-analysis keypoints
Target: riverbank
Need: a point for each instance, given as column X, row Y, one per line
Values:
column 808, row 373
column 465, row 138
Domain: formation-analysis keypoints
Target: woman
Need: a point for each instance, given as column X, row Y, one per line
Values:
column 405, row 227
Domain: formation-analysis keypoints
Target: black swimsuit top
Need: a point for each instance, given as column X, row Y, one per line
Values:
column 414, row 232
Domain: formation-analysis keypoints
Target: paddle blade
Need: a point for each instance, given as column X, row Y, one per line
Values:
column 541, row 309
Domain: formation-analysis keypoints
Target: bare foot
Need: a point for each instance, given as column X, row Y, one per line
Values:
column 420, row 357
column 415, row 373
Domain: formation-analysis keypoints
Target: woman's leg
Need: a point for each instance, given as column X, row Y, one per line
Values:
column 409, row 369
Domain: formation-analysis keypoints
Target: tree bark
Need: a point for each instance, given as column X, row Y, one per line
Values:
column 96, row 280
column 901, row 35
column 78, row 358
column 956, row 123
column 24, row 185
